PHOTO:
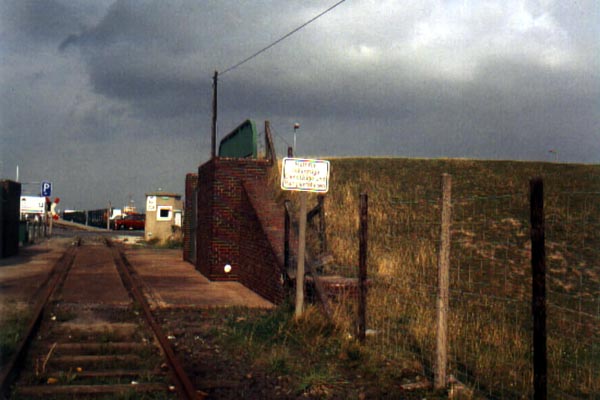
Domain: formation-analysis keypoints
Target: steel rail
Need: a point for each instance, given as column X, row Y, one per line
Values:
column 182, row 382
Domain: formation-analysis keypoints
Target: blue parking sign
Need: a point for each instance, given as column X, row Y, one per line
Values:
column 46, row 189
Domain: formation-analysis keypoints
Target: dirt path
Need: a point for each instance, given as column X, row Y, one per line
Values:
column 94, row 278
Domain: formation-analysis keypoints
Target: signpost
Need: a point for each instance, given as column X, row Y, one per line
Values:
column 46, row 189
column 303, row 175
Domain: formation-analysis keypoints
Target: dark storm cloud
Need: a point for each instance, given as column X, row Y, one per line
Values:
column 38, row 20
column 118, row 93
column 133, row 54
column 141, row 54
column 158, row 94
column 530, row 89
column 147, row 24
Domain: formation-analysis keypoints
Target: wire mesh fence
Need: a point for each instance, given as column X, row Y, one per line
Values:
column 490, row 322
column 573, row 274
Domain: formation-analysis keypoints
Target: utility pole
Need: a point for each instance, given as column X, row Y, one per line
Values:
column 213, row 137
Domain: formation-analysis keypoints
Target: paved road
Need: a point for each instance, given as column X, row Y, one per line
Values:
column 69, row 233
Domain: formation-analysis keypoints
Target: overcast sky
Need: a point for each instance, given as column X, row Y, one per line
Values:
column 109, row 99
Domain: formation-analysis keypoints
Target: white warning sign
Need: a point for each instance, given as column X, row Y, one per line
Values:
column 305, row 175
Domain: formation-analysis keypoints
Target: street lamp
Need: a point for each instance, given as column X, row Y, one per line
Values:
column 296, row 127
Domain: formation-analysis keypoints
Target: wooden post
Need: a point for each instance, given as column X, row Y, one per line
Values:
column 213, row 131
column 440, row 379
column 301, row 251
column 362, row 266
column 538, row 298
column 108, row 216
column 322, row 227
column 286, row 236
column 50, row 219
column 50, row 225
column 271, row 154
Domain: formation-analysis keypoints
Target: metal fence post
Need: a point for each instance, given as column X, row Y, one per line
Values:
column 440, row 379
column 538, row 298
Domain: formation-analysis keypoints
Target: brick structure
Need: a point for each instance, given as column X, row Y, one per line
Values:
column 238, row 223
column 261, row 244
column 189, row 218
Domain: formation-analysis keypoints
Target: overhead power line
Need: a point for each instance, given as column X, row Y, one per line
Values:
column 281, row 39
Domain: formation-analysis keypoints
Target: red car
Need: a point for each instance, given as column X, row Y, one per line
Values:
column 131, row 222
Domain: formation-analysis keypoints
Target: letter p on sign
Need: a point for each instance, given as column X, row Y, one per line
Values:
column 46, row 189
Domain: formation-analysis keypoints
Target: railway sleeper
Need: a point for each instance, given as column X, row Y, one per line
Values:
column 99, row 348
column 107, row 361
column 108, row 332
column 55, row 391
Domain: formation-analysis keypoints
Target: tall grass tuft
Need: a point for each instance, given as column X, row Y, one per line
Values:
column 12, row 328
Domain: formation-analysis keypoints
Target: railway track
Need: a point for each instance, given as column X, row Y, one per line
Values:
column 93, row 336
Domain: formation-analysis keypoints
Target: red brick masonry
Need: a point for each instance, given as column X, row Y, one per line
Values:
column 238, row 223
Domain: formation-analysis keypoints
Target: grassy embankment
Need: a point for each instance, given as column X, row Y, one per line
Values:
column 490, row 324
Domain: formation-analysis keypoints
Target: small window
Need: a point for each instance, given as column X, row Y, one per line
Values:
column 164, row 213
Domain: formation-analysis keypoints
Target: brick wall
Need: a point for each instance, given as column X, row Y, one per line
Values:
column 259, row 268
column 191, row 182
column 229, row 227
column 205, row 221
